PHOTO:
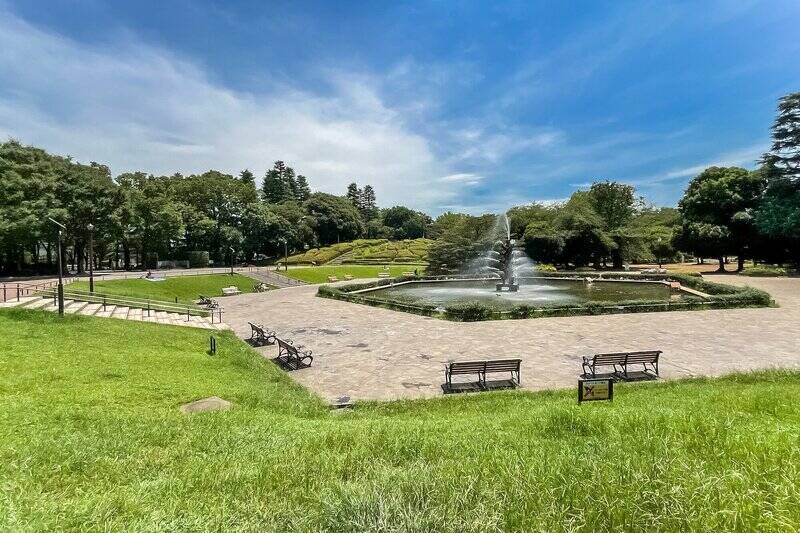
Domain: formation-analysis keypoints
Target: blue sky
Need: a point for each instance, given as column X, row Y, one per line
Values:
column 471, row 106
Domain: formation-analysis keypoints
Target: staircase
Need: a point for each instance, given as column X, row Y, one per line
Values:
column 340, row 259
column 270, row 277
column 139, row 314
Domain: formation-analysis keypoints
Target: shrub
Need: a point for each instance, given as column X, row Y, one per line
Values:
column 198, row 259
column 763, row 271
column 544, row 267
column 468, row 312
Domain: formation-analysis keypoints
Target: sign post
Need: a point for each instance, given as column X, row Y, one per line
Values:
column 590, row 390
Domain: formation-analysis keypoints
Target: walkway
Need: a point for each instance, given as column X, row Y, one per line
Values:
column 372, row 353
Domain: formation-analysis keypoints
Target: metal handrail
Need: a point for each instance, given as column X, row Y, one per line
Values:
column 148, row 305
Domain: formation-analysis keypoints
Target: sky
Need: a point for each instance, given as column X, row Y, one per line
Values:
column 445, row 105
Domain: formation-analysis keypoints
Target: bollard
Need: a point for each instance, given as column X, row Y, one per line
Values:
column 212, row 349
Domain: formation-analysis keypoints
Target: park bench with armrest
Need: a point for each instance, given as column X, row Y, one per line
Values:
column 332, row 279
column 482, row 368
column 619, row 361
column 292, row 356
column 384, row 275
column 260, row 335
column 230, row 291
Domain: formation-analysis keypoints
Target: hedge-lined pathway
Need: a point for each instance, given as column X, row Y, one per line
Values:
column 372, row 353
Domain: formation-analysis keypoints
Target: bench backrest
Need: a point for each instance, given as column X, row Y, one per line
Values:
column 286, row 346
column 497, row 365
column 502, row 365
column 650, row 356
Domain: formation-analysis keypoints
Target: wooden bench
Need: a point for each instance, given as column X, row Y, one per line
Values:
column 332, row 279
column 481, row 368
column 261, row 336
column 292, row 356
column 384, row 275
column 409, row 274
column 619, row 361
column 348, row 277
column 230, row 291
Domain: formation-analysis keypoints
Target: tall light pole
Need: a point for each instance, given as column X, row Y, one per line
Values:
column 231, row 248
column 60, row 277
column 90, row 227
column 285, row 254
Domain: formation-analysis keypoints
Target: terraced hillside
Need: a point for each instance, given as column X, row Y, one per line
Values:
column 367, row 251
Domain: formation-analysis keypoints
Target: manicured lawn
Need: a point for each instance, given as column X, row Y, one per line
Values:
column 185, row 288
column 320, row 274
column 91, row 438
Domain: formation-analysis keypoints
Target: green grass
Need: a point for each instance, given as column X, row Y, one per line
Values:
column 320, row 274
column 185, row 288
column 91, row 439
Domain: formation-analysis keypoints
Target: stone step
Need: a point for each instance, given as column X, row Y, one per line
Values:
column 38, row 303
column 74, row 306
column 120, row 311
column 19, row 303
column 91, row 309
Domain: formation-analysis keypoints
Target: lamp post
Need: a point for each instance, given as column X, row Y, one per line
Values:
column 232, row 252
column 60, row 277
column 285, row 254
column 90, row 227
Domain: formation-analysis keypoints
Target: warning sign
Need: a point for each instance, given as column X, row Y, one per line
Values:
column 595, row 389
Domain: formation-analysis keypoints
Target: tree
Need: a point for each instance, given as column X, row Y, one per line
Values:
column 369, row 206
column 778, row 220
column 354, row 195
column 333, row 218
column 405, row 223
column 247, row 177
column 303, row 189
column 279, row 184
column 615, row 204
column 717, row 213
column 784, row 157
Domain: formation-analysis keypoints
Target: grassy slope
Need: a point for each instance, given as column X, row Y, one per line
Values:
column 185, row 288
column 368, row 250
column 320, row 274
column 91, row 437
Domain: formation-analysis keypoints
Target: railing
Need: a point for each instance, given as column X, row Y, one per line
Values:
column 16, row 290
column 144, row 304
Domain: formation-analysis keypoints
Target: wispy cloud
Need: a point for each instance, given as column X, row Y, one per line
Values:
column 138, row 107
column 743, row 157
column 465, row 178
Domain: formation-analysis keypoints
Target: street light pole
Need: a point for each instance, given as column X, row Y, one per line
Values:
column 60, row 276
column 285, row 255
column 91, row 257
column 232, row 252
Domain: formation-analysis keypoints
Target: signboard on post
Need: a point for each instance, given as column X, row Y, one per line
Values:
column 590, row 390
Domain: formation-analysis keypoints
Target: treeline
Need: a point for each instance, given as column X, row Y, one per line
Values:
column 136, row 219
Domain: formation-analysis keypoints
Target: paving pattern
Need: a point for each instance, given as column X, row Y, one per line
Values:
column 372, row 353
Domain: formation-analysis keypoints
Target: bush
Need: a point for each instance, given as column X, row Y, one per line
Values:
column 764, row 271
column 544, row 267
column 198, row 259
column 468, row 312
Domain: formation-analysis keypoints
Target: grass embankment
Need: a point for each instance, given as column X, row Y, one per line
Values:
column 320, row 274
column 91, row 438
column 372, row 251
column 185, row 288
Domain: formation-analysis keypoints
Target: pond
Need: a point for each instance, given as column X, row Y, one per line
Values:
column 532, row 292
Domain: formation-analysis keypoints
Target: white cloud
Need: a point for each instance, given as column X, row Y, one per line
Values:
column 137, row 107
column 744, row 157
column 465, row 178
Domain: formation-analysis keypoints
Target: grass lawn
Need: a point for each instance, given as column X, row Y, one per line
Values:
column 91, row 439
column 320, row 274
column 185, row 288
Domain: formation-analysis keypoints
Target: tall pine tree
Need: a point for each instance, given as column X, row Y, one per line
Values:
column 369, row 206
column 273, row 186
column 303, row 190
column 784, row 157
column 247, row 177
column 354, row 195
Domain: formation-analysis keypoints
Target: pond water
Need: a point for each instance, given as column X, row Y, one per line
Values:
column 531, row 292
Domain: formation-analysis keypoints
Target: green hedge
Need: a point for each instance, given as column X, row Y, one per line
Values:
column 721, row 296
column 198, row 259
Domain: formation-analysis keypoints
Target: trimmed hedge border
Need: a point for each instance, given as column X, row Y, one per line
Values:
column 721, row 296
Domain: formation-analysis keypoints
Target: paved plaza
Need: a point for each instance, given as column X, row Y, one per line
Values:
column 371, row 353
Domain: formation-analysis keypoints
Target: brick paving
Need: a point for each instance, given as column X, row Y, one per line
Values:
column 372, row 353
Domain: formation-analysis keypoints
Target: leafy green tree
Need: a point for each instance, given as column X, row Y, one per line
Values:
column 369, row 205
column 405, row 223
column 717, row 213
column 354, row 195
column 333, row 218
